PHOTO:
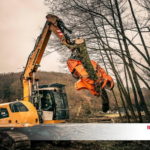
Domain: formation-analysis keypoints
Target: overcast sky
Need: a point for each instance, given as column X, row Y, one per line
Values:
column 21, row 23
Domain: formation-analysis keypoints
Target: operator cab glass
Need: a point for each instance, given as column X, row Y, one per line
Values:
column 3, row 113
column 18, row 107
column 53, row 99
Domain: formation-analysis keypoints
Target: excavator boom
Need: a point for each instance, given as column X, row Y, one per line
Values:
column 55, row 25
column 34, row 61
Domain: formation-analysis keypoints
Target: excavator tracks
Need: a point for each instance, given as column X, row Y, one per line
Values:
column 10, row 140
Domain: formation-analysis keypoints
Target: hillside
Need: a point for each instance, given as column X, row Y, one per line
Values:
column 81, row 103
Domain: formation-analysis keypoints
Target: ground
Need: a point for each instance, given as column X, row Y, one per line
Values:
column 92, row 145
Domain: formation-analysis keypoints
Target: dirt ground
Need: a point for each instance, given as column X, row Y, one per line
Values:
column 92, row 145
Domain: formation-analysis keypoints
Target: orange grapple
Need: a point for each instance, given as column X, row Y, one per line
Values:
column 84, row 82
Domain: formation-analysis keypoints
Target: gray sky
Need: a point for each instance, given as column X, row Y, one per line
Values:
column 21, row 23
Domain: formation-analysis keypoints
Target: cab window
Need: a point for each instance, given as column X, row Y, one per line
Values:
column 3, row 113
column 18, row 107
column 46, row 100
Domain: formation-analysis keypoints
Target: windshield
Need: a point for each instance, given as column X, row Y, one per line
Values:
column 55, row 101
column 47, row 101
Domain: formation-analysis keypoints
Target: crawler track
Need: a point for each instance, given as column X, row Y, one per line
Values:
column 10, row 140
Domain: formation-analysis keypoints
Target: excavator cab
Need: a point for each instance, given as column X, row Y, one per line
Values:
column 51, row 102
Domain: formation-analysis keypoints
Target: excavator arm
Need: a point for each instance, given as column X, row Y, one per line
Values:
column 34, row 61
column 55, row 25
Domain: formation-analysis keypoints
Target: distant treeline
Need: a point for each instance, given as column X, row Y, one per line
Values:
column 80, row 102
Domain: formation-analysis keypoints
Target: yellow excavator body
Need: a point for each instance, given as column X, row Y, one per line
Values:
column 21, row 114
column 18, row 114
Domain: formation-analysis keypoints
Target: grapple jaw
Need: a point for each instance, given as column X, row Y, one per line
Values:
column 85, row 82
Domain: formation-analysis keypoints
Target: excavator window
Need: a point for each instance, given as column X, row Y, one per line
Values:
column 18, row 107
column 47, row 100
column 3, row 113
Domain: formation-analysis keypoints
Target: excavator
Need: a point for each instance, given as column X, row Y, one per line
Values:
column 47, row 104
